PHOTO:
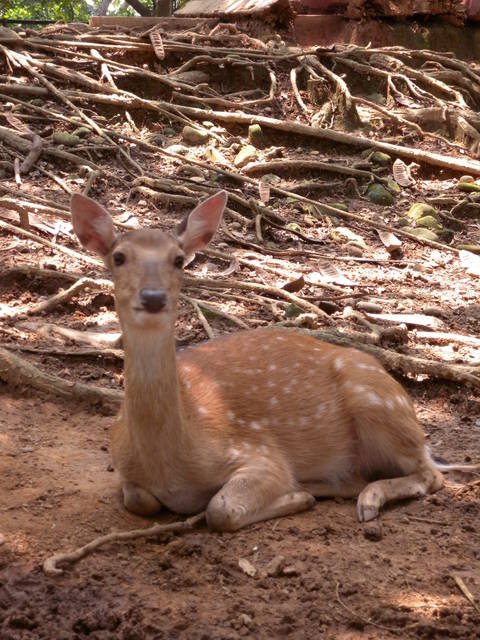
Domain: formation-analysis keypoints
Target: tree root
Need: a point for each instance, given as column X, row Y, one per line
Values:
column 50, row 565
column 16, row 371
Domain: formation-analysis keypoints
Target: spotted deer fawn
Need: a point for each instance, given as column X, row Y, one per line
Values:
column 250, row 426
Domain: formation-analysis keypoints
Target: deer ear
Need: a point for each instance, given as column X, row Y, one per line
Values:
column 92, row 224
column 200, row 225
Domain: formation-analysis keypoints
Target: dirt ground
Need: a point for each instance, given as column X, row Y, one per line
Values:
column 340, row 579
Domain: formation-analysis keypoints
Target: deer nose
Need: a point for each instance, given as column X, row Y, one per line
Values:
column 153, row 300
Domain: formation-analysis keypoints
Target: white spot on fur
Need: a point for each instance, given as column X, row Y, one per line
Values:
column 230, row 415
column 273, row 401
column 374, row 398
column 403, row 402
column 233, row 453
column 202, row 410
column 338, row 364
column 272, row 367
column 389, row 403
column 255, row 426
column 367, row 367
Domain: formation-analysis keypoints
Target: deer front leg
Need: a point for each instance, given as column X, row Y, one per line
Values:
column 252, row 495
column 139, row 501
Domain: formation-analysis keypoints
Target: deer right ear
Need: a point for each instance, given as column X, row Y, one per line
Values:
column 92, row 224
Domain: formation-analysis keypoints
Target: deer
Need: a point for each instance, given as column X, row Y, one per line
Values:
column 249, row 426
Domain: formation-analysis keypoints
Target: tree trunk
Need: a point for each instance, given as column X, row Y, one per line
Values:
column 139, row 7
column 162, row 8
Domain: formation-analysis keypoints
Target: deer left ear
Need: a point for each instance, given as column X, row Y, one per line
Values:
column 92, row 224
column 202, row 223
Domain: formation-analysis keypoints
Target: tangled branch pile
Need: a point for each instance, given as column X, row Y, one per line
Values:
column 311, row 145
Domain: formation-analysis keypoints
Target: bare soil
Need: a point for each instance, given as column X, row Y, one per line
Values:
column 341, row 579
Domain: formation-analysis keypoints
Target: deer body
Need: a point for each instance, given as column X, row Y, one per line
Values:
column 249, row 426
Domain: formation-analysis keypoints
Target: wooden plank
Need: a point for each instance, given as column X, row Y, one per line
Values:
column 170, row 23
column 225, row 7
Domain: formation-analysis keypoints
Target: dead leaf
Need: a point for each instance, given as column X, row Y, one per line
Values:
column 389, row 240
column 470, row 261
column 401, row 173
column 294, row 285
column 157, row 44
column 328, row 272
column 16, row 123
column 247, row 567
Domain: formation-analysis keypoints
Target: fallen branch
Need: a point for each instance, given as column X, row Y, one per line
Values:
column 50, row 565
column 17, row 371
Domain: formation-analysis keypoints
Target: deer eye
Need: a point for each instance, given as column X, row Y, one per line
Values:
column 178, row 262
column 118, row 258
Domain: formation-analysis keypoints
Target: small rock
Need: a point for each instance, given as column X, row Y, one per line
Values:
column 466, row 179
column 168, row 131
column 293, row 310
column 393, row 186
column 379, row 195
column 369, row 307
column 354, row 250
column 275, row 567
column 255, row 135
column 468, row 186
column 291, row 570
column 424, row 234
column 177, row 148
column 81, row 132
column 65, row 138
column 247, row 567
column 420, row 210
column 380, row 158
column 192, row 135
column 245, row 155
column 373, row 531
column 158, row 139
column 245, row 620
column 429, row 222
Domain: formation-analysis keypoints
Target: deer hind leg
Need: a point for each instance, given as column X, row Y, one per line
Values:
column 139, row 501
column 253, row 494
column 425, row 480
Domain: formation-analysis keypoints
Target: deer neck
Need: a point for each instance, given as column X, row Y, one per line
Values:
column 152, row 391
